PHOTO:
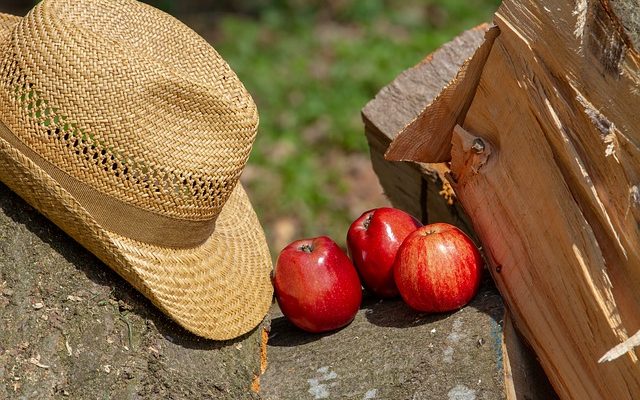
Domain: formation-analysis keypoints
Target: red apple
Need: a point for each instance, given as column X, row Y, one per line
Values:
column 316, row 285
column 437, row 268
column 373, row 241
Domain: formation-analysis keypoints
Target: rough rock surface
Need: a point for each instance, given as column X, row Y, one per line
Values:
column 392, row 352
column 72, row 328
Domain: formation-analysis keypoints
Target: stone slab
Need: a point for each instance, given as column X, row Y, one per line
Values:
column 392, row 352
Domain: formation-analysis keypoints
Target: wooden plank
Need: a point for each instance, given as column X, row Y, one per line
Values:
column 552, row 187
column 406, row 97
column 570, row 116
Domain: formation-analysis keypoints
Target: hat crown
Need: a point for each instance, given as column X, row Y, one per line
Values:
column 130, row 102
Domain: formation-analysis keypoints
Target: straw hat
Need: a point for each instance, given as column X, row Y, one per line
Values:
column 129, row 131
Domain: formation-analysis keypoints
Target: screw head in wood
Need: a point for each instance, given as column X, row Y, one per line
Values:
column 477, row 146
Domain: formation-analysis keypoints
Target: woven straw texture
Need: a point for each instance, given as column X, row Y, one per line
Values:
column 130, row 132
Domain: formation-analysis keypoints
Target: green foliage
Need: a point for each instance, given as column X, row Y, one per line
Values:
column 311, row 67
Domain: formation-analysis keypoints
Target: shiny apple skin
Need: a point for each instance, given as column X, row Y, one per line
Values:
column 317, row 289
column 438, row 268
column 373, row 241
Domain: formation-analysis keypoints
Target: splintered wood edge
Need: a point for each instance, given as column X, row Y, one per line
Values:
column 427, row 138
column 264, row 338
column 507, row 341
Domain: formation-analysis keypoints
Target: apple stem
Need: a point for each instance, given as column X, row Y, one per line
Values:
column 307, row 248
column 367, row 221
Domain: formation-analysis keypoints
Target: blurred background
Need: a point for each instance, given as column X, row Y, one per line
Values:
column 311, row 66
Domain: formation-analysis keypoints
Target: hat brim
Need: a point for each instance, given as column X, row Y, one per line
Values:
column 218, row 290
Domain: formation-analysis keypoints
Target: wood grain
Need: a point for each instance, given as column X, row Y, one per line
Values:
column 524, row 379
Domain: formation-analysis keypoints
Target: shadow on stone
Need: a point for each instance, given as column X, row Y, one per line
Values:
column 488, row 300
column 390, row 351
column 284, row 334
column 397, row 314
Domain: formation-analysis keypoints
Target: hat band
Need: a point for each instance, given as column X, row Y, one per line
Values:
column 116, row 216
